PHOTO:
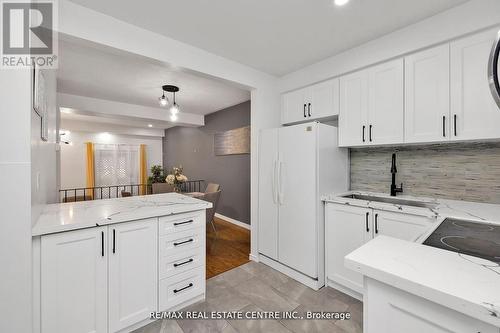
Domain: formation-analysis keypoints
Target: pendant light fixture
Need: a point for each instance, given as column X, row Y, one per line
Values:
column 174, row 108
column 163, row 100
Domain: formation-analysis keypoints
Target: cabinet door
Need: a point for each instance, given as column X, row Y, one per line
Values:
column 386, row 103
column 294, row 107
column 268, row 193
column 402, row 226
column 474, row 112
column 74, row 282
column 427, row 85
column 353, row 109
column 324, row 99
column 347, row 228
column 132, row 272
column 298, row 216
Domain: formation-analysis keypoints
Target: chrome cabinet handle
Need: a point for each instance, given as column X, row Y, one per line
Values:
column 371, row 133
column 455, row 123
column 114, row 245
column 376, row 223
column 444, row 126
column 305, row 105
column 309, row 109
column 364, row 133
column 367, row 227
column 102, row 243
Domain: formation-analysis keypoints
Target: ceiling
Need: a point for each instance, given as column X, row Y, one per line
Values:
column 103, row 73
column 275, row 36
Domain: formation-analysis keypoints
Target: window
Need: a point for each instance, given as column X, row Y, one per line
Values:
column 116, row 164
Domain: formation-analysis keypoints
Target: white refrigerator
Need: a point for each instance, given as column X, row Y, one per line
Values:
column 297, row 165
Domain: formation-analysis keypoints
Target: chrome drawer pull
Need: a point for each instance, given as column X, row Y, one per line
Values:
column 183, row 263
column 186, row 287
column 181, row 223
column 187, row 241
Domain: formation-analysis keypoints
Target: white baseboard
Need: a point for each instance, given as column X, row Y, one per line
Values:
column 233, row 221
column 253, row 257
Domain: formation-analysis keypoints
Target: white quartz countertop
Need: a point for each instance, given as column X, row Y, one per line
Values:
column 84, row 214
column 460, row 282
column 474, row 211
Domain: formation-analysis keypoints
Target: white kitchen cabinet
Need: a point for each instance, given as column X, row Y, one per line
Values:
column 353, row 117
column 390, row 310
column 386, row 103
column 324, row 100
column 294, row 107
column 74, row 282
column 347, row 228
column 132, row 272
column 474, row 114
column 319, row 101
column 427, row 92
column 371, row 106
column 403, row 226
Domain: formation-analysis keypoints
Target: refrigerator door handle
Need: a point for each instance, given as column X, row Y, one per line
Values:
column 280, row 182
column 275, row 185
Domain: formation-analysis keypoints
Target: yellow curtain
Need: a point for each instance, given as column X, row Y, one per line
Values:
column 143, row 169
column 90, row 167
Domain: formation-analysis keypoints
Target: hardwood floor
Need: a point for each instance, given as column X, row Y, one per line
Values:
column 228, row 249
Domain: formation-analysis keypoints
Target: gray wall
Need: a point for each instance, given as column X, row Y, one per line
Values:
column 462, row 171
column 193, row 148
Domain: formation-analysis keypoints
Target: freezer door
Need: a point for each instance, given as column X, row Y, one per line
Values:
column 297, row 182
column 268, row 193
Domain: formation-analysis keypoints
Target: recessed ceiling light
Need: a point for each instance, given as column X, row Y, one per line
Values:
column 341, row 2
column 150, row 125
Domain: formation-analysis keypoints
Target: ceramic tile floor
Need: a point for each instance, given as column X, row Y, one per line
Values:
column 254, row 287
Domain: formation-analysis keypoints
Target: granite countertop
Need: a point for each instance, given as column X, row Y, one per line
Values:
column 85, row 214
column 443, row 208
column 460, row 282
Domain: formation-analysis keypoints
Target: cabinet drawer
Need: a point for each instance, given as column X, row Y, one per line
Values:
column 180, row 242
column 181, row 288
column 181, row 222
column 181, row 262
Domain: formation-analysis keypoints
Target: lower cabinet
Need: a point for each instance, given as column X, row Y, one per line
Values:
column 74, row 282
column 109, row 279
column 349, row 227
column 132, row 272
column 95, row 277
column 392, row 310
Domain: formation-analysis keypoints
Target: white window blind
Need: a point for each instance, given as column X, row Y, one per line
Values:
column 116, row 164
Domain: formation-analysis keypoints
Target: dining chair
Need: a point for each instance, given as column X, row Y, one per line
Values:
column 212, row 197
column 212, row 187
column 162, row 188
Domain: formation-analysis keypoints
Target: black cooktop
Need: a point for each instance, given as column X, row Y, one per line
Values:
column 477, row 239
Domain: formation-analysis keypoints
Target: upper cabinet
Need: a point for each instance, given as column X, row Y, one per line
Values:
column 371, row 106
column 427, row 91
column 474, row 114
column 320, row 101
column 440, row 94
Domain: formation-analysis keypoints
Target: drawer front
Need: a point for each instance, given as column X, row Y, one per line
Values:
column 181, row 288
column 184, row 261
column 181, row 222
column 180, row 242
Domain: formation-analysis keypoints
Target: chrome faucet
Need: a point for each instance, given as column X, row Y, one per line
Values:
column 394, row 170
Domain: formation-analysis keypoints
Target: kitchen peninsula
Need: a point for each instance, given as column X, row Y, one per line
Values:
column 105, row 265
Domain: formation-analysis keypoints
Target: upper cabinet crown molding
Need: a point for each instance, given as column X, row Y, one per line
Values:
column 319, row 101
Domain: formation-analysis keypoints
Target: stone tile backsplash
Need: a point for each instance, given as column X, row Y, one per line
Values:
column 460, row 171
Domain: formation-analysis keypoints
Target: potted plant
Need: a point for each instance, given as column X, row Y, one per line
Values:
column 157, row 175
column 176, row 178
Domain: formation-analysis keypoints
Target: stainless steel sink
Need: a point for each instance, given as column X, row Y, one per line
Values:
column 396, row 201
